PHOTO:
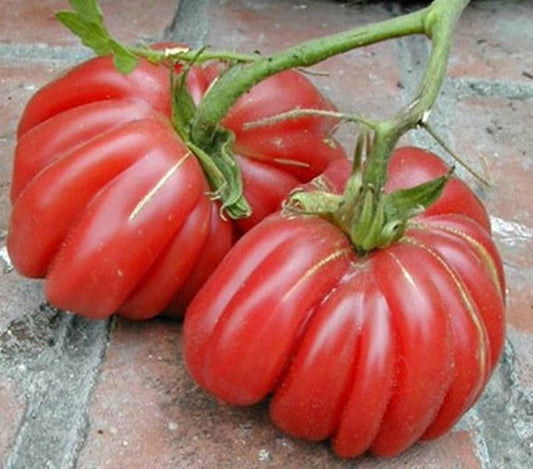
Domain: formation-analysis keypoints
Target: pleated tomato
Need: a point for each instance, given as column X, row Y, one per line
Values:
column 373, row 350
column 112, row 208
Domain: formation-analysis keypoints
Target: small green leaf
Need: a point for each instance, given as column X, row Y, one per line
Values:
column 88, row 10
column 87, row 22
column 224, row 177
column 124, row 60
column 406, row 203
column 233, row 200
column 90, row 34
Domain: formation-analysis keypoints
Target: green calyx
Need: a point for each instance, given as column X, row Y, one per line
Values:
column 214, row 154
column 87, row 22
column 374, row 219
column 371, row 218
column 216, row 157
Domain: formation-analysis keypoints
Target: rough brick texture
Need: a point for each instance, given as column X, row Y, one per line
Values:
column 79, row 393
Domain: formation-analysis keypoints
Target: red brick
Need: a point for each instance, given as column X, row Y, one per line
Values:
column 494, row 41
column 33, row 21
column 12, row 405
column 147, row 411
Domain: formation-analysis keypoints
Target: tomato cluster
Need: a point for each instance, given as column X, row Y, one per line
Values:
column 374, row 350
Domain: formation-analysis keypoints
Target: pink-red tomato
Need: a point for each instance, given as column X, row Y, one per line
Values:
column 374, row 351
column 112, row 208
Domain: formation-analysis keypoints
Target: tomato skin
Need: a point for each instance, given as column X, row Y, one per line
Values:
column 387, row 348
column 94, row 81
column 120, row 206
column 218, row 342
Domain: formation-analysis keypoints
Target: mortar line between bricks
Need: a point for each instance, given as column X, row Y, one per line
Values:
column 468, row 87
column 71, row 456
column 473, row 423
column 43, row 53
column 60, row 383
column 190, row 24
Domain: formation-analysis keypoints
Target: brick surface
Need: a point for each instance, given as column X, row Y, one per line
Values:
column 494, row 41
column 520, row 300
column 497, row 132
column 33, row 22
column 12, row 405
column 17, row 296
column 78, row 393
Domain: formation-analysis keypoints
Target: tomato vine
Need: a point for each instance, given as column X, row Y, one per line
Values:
column 204, row 135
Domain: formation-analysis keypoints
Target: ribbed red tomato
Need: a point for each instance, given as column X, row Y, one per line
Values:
column 110, row 206
column 374, row 351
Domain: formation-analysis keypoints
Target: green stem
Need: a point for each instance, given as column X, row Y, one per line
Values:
column 239, row 79
column 439, row 24
column 191, row 55
column 200, row 129
column 370, row 217
column 296, row 113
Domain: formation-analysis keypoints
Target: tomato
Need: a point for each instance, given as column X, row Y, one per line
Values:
column 374, row 351
column 112, row 209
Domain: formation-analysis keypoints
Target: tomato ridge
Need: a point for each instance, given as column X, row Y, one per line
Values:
column 483, row 354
